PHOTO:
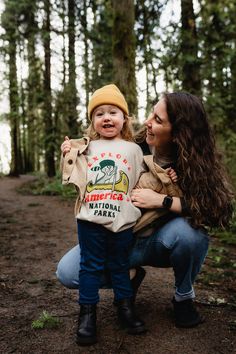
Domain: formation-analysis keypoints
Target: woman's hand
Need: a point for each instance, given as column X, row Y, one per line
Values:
column 149, row 199
column 66, row 146
column 146, row 198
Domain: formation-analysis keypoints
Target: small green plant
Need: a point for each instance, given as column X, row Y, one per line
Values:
column 45, row 320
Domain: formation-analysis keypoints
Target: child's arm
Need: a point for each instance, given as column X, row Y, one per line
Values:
column 66, row 146
column 172, row 174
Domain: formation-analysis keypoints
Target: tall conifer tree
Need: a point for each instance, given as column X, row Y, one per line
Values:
column 33, row 87
column 191, row 80
column 72, row 92
column 124, row 50
column 48, row 118
column 10, row 19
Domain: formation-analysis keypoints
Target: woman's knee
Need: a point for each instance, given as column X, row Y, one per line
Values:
column 179, row 233
column 68, row 269
column 195, row 240
column 64, row 277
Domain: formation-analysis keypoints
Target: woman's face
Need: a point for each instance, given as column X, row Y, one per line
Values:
column 158, row 126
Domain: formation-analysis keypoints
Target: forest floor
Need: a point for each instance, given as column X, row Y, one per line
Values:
column 36, row 231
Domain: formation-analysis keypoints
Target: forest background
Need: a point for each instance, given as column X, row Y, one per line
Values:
column 56, row 53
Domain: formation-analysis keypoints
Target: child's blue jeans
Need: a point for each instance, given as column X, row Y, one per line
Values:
column 175, row 245
column 100, row 247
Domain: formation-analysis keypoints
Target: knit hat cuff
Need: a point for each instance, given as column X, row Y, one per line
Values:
column 109, row 94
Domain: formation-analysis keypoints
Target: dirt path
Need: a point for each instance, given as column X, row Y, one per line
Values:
column 34, row 233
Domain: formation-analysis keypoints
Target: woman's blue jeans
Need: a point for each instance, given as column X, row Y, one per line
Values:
column 102, row 248
column 175, row 245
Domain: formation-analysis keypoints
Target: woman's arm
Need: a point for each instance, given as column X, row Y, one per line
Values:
column 148, row 199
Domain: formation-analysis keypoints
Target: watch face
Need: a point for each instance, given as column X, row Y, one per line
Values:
column 167, row 202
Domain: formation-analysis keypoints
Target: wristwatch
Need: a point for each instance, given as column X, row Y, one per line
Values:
column 167, row 202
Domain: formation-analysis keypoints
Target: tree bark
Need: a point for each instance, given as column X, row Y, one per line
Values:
column 124, row 51
column 86, row 55
column 15, row 166
column 48, row 120
column 189, row 47
column 9, row 21
column 33, row 79
column 72, row 94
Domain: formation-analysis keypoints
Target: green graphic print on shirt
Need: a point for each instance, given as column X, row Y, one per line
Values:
column 108, row 180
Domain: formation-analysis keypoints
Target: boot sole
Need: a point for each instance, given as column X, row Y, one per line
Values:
column 86, row 341
column 190, row 324
column 136, row 331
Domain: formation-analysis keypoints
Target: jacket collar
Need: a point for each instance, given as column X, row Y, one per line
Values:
column 80, row 144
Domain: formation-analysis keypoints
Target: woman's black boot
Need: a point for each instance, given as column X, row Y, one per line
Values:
column 128, row 318
column 137, row 280
column 86, row 333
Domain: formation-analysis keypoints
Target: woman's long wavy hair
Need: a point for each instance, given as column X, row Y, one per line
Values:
column 201, row 173
column 126, row 132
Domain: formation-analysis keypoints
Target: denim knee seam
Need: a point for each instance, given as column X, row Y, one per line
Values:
column 163, row 243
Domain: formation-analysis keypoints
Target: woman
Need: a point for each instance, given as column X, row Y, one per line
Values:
column 177, row 134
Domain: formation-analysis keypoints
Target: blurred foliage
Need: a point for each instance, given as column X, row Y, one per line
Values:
column 43, row 185
column 228, row 236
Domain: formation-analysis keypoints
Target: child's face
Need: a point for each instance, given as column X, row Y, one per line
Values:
column 108, row 121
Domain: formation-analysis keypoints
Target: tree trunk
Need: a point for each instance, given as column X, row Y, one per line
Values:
column 23, row 140
column 124, row 51
column 101, row 66
column 48, row 120
column 233, row 91
column 189, row 47
column 72, row 94
column 15, row 166
column 32, row 87
column 84, row 24
column 63, row 17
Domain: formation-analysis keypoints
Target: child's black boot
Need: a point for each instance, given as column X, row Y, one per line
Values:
column 86, row 333
column 128, row 318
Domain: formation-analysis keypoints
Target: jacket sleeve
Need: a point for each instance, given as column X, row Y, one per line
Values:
column 69, row 162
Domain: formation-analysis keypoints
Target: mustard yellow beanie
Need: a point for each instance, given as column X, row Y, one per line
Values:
column 109, row 94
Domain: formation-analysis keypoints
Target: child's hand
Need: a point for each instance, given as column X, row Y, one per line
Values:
column 66, row 146
column 172, row 174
